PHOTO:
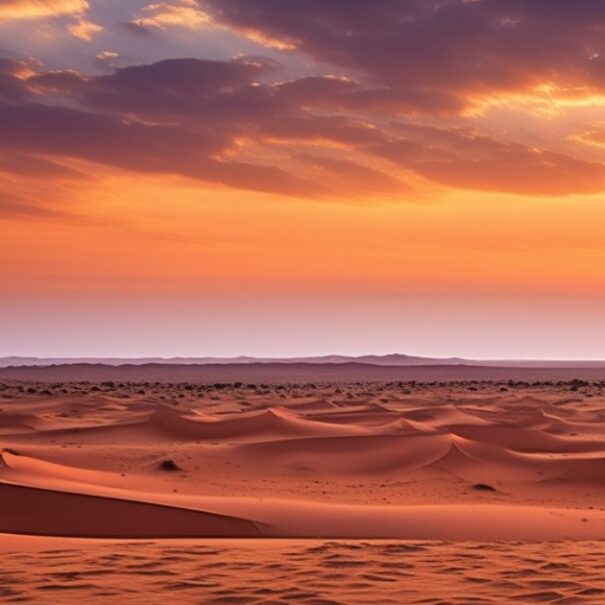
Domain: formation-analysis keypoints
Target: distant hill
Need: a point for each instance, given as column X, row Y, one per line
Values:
column 393, row 359
column 396, row 359
column 294, row 373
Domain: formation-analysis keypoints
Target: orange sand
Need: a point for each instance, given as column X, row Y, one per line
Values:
column 471, row 462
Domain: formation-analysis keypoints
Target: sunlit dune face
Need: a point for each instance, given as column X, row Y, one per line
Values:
column 423, row 148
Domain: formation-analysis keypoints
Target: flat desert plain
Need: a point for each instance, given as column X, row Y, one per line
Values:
column 383, row 492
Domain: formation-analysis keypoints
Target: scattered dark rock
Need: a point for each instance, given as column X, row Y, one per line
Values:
column 484, row 487
column 169, row 465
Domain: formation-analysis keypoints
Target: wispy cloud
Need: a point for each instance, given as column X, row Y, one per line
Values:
column 165, row 14
column 15, row 10
column 84, row 29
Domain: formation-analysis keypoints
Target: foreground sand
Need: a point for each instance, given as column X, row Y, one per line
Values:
column 397, row 461
column 309, row 572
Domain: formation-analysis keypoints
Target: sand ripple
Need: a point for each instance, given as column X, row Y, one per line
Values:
column 309, row 573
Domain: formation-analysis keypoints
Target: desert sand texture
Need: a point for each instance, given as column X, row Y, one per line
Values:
column 348, row 489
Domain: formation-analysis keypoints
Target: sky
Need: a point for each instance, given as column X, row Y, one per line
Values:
column 260, row 177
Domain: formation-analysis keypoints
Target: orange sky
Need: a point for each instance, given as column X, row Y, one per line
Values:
column 298, row 178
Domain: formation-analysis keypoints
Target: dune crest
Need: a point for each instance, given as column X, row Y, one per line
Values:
column 374, row 461
column 111, row 512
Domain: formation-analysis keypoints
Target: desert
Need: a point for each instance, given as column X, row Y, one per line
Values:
column 302, row 302
column 344, row 489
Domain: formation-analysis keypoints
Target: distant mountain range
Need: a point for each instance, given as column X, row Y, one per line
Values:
column 393, row 359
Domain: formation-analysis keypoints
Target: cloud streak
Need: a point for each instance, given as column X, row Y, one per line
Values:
column 201, row 119
column 455, row 48
column 383, row 110
column 17, row 10
column 164, row 14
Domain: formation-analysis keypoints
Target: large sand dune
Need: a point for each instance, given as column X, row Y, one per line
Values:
column 51, row 499
column 474, row 461
column 494, row 478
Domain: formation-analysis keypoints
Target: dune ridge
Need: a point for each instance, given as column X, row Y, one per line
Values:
column 45, row 512
column 475, row 461
column 339, row 493
column 30, row 485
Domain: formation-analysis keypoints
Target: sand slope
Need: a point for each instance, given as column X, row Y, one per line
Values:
column 94, row 511
column 30, row 510
column 461, row 462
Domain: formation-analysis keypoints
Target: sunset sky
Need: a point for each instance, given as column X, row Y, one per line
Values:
column 292, row 177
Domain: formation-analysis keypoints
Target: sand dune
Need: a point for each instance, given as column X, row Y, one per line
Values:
column 27, row 510
column 164, row 423
column 348, row 461
column 97, row 511
column 185, row 474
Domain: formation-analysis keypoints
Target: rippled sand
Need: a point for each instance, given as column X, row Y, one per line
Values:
column 460, row 464
column 308, row 572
